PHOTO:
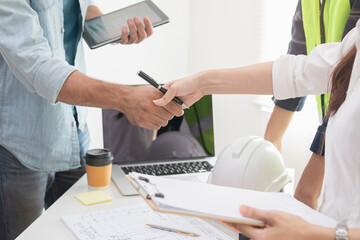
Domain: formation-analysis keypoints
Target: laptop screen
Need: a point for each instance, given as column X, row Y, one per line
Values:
column 190, row 136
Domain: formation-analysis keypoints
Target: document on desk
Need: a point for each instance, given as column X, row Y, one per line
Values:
column 129, row 223
column 218, row 202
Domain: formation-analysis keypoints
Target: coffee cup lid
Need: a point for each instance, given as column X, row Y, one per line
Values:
column 99, row 157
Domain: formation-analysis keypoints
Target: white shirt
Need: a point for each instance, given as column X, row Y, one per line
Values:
column 295, row 76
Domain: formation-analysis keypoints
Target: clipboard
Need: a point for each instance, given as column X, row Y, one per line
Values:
column 217, row 202
column 135, row 179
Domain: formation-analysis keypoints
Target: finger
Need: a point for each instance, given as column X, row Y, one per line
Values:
column 156, row 120
column 133, row 33
column 166, row 98
column 124, row 35
column 249, row 231
column 149, row 125
column 150, row 121
column 254, row 213
column 163, row 114
column 148, row 26
column 140, row 29
column 174, row 109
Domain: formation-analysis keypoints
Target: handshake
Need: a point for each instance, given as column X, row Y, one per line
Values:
column 156, row 113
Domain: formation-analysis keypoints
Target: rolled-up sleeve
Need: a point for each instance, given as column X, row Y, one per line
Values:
column 297, row 76
column 28, row 53
column 93, row 3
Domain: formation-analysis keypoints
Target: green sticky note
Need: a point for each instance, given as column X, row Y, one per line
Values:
column 93, row 197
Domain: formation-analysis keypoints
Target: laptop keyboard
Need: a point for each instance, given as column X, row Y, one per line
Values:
column 170, row 168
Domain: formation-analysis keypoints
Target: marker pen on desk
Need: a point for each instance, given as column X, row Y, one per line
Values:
column 158, row 86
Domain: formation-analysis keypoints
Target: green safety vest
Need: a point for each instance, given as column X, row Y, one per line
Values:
column 324, row 23
column 199, row 117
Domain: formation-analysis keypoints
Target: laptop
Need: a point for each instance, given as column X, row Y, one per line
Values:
column 184, row 149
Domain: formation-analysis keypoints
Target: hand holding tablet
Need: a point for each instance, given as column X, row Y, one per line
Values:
column 108, row 28
column 137, row 32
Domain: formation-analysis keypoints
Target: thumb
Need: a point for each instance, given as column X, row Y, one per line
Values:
column 165, row 99
column 254, row 213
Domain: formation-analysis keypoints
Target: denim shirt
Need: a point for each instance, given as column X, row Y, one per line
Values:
column 40, row 132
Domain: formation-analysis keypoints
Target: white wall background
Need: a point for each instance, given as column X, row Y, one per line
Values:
column 204, row 34
column 164, row 55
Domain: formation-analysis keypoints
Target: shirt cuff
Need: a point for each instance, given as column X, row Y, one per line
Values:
column 290, row 104
column 282, row 75
column 51, row 77
column 93, row 3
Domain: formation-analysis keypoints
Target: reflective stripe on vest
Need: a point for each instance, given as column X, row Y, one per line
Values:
column 334, row 17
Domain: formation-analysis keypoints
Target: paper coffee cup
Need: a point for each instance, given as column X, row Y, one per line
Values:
column 98, row 168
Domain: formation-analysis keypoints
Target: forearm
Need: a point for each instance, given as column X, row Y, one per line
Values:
column 354, row 234
column 92, row 12
column 253, row 79
column 82, row 90
column 310, row 184
column 277, row 125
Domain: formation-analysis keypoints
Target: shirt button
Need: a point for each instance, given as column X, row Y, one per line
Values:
column 62, row 30
column 73, row 123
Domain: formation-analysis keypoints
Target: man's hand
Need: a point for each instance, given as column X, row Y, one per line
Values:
column 141, row 111
column 138, row 32
column 135, row 102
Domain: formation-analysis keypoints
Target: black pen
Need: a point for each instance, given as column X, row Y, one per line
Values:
column 158, row 86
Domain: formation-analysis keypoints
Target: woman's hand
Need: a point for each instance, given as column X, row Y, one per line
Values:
column 279, row 225
column 187, row 89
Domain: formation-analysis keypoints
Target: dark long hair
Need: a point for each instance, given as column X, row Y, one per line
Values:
column 340, row 81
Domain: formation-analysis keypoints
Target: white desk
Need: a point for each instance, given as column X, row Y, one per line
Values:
column 49, row 226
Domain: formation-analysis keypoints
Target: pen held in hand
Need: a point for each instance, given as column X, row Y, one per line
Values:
column 186, row 233
column 152, row 82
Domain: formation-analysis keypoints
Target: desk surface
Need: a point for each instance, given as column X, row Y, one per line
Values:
column 49, row 226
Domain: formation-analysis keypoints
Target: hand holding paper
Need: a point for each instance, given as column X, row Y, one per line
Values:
column 279, row 225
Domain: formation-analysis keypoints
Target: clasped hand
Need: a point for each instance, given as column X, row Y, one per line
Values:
column 141, row 111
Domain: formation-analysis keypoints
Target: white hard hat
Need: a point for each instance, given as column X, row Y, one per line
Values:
column 250, row 163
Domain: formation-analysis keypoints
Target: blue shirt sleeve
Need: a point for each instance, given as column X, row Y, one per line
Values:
column 32, row 53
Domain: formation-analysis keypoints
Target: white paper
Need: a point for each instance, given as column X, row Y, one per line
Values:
column 129, row 223
column 212, row 200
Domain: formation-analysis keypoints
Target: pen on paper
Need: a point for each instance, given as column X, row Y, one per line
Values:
column 186, row 233
column 152, row 82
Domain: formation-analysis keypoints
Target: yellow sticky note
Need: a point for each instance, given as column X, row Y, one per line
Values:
column 93, row 197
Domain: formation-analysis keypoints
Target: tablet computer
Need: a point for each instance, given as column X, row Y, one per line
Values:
column 107, row 28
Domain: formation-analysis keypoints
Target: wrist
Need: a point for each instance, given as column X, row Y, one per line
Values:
column 82, row 90
column 206, row 82
column 319, row 233
column 123, row 95
column 341, row 232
